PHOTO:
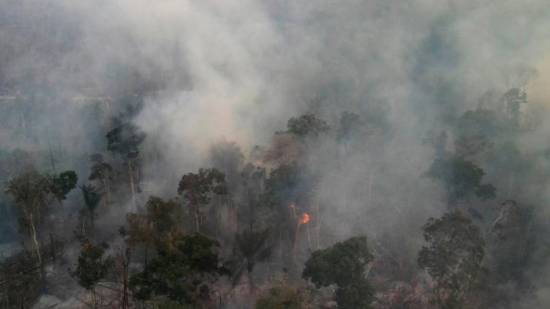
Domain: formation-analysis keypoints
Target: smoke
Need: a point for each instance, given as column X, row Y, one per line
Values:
column 238, row 69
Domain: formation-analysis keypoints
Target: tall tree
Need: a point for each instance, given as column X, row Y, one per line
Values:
column 251, row 247
column 62, row 184
column 33, row 193
column 343, row 264
column 181, row 273
column 452, row 257
column 125, row 140
column 307, row 125
column 101, row 172
column 92, row 266
column 280, row 297
column 197, row 190
column 462, row 179
column 91, row 200
column 157, row 227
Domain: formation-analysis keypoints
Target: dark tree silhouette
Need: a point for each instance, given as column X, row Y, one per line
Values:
column 343, row 264
column 452, row 257
column 197, row 190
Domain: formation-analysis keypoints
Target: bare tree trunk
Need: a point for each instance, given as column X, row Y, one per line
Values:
column 132, row 185
column 34, row 237
column 94, row 298
column 124, row 260
column 92, row 221
column 318, row 225
column 52, row 247
column 107, row 191
column 197, row 219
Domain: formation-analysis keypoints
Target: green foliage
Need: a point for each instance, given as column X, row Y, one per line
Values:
column 63, row 183
column 358, row 294
column 100, row 169
column 452, row 257
column 283, row 185
column 197, row 188
column 125, row 139
column 164, row 216
column 462, row 178
column 91, row 198
column 281, row 297
column 20, row 281
column 160, row 223
column 92, row 265
column 31, row 192
column 344, row 264
column 307, row 125
column 181, row 273
column 340, row 264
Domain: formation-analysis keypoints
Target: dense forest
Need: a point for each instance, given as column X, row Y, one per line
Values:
column 274, row 154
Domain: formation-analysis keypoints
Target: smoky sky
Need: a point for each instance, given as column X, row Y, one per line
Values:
column 248, row 65
column 237, row 70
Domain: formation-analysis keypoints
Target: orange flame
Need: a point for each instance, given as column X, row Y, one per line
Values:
column 305, row 218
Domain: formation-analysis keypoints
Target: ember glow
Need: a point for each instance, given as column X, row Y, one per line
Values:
column 305, row 218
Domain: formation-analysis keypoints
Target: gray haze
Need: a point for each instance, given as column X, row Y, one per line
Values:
column 236, row 70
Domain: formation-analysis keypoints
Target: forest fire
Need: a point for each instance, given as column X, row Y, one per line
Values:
column 305, row 218
column 247, row 154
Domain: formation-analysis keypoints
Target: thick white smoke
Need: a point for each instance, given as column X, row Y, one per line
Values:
column 238, row 69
